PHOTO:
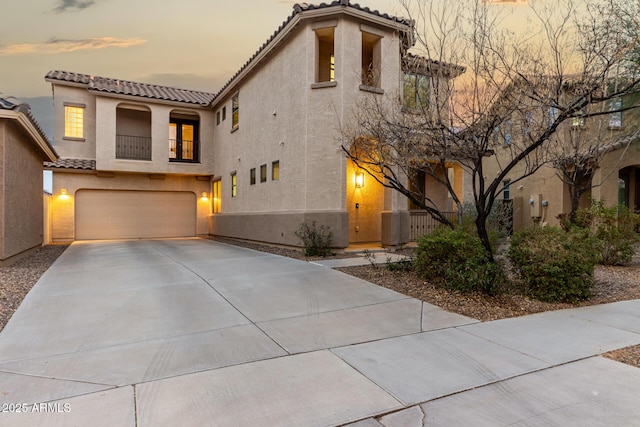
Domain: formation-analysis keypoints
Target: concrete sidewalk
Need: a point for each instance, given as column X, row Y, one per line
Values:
column 194, row 332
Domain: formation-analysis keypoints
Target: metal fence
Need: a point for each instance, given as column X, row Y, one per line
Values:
column 133, row 147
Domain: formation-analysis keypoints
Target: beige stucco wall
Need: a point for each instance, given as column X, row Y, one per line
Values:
column 283, row 117
column 160, row 115
column 607, row 174
column 21, row 214
column 63, row 208
column 71, row 148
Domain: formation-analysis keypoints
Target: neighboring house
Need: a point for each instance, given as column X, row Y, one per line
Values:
column 604, row 147
column 137, row 160
column 23, row 148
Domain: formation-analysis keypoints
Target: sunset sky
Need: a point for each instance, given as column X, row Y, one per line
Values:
column 195, row 44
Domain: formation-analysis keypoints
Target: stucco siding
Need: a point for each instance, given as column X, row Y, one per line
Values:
column 22, row 222
column 63, row 207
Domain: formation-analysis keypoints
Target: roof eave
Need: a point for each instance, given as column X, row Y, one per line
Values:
column 24, row 122
column 142, row 99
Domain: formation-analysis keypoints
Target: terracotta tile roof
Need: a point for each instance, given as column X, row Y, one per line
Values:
column 299, row 8
column 124, row 87
column 83, row 164
column 25, row 109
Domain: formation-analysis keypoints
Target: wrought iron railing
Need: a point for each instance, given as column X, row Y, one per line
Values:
column 183, row 150
column 422, row 222
column 133, row 147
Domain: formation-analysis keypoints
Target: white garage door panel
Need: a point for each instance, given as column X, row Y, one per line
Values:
column 106, row 214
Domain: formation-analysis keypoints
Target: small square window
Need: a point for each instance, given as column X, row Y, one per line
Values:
column 275, row 170
column 263, row 173
column 252, row 176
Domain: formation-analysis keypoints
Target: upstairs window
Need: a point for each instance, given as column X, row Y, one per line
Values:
column 74, row 121
column 371, row 60
column 506, row 189
column 252, row 176
column 224, row 113
column 507, row 132
column 615, row 118
column 218, row 118
column 183, row 140
column 275, row 170
column 415, row 91
column 553, row 115
column 325, row 55
column 235, row 111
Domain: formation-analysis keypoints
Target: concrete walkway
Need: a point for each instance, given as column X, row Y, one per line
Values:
column 193, row 332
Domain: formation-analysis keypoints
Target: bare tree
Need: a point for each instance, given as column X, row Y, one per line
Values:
column 502, row 114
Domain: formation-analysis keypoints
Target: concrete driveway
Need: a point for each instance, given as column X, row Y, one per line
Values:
column 195, row 332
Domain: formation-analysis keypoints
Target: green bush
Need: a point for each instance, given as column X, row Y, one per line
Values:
column 614, row 229
column 457, row 260
column 555, row 265
column 316, row 240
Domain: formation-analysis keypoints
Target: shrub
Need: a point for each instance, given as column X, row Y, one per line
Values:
column 316, row 240
column 555, row 265
column 457, row 260
column 614, row 229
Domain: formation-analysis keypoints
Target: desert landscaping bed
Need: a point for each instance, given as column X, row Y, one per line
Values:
column 612, row 284
column 17, row 280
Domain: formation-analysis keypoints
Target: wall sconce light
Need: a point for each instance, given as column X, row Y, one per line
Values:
column 205, row 195
column 359, row 179
column 64, row 192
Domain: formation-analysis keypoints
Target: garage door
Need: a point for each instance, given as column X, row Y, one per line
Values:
column 107, row 214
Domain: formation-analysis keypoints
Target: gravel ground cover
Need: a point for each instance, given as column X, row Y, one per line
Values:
column 17, row 280
column 612, row 284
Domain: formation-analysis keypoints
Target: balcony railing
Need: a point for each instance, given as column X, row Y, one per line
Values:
column 133, row 147
column 423, row 223
column 183, row 150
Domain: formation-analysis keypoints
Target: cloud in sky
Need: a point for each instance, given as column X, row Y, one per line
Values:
column 73, row 5
column 55, row 45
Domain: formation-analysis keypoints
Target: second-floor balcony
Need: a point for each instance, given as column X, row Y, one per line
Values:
column 133, row 147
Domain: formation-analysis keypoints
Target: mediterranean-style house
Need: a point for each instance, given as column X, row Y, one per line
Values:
column 253, row 161
column 23, row 148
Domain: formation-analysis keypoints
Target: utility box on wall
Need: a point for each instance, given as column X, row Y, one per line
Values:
column 535, row 202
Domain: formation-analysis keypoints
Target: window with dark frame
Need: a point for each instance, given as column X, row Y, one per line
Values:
column 218, row 118
column 275, row 170
column 263, row 173
column 235, row 111
column 506, row 190
column 224, row 113
column 183, row 141
column 252, row 176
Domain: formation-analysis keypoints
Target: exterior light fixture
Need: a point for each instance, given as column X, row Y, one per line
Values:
column 205, row 195
column 359, row 179
column 64, row 192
